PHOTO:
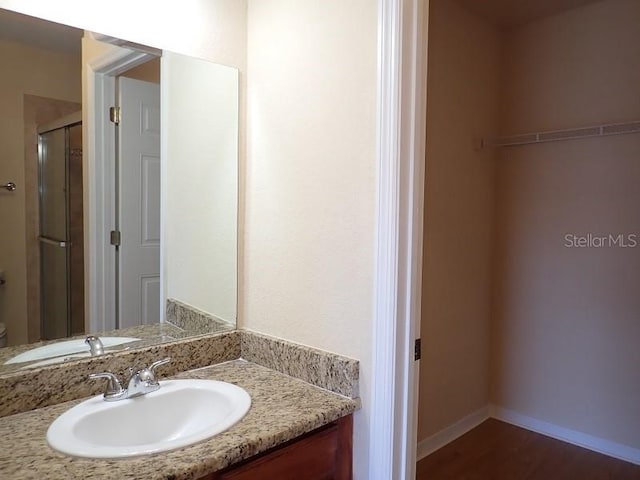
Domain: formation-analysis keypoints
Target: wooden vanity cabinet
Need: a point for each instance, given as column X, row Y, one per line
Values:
column 323, row 454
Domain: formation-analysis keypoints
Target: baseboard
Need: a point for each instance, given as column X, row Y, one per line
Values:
column 597, row 444
column 449, row 434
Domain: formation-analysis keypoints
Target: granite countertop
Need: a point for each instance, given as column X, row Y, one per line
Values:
column 282, row 408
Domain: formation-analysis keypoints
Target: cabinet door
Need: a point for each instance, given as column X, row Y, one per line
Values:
column 325, row 454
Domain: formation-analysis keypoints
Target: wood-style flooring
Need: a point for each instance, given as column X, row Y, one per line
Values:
column 496, row 450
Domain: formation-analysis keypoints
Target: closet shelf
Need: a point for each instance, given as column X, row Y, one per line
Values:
column 559, row 135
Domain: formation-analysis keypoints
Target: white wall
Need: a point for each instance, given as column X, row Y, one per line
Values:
column 200, row 184
column 311, row 180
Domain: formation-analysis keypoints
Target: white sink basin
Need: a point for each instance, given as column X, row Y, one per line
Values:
column 180, row 413
column 76, row 348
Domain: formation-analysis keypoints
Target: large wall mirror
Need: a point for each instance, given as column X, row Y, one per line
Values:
column 118, row 193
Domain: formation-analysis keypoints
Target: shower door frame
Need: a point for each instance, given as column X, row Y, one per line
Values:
column 65, row 122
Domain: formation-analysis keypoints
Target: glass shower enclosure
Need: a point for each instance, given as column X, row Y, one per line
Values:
column 61, row 229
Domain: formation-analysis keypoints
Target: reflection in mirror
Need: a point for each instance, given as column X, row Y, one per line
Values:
column 133, row 236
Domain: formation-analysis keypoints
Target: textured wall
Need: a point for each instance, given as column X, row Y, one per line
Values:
column 311, row 179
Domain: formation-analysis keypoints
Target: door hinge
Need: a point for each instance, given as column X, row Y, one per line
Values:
column 115, row 238
column 115, row 115
column 417, row 349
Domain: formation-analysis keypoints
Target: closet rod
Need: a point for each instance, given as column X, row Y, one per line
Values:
column 559, row 135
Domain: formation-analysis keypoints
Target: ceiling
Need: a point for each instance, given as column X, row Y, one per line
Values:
column 33, row 31
column 512, row 13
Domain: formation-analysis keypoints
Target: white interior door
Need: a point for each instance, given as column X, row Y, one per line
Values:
column 139, row 202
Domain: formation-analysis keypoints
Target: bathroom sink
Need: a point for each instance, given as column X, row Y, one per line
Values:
column 180, row 413
column 75, row 348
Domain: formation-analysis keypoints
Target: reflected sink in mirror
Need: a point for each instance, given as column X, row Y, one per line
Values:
column 61, row 351
column 180, row 413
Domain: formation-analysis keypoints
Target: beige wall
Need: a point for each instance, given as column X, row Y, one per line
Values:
column 567, row 321
column 462, row 98
column 147, row 72
column 311, row 179
column 23, row 72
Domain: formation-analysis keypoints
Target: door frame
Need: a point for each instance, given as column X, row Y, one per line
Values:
column 401, row 122
column 99, row 149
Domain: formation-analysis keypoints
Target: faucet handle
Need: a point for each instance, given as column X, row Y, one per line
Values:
column 149, row 373
column 114, row 388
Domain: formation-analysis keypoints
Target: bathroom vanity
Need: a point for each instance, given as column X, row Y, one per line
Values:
column 294, row 428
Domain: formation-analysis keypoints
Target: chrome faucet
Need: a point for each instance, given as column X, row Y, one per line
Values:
column 140, row 382
column 95, row 345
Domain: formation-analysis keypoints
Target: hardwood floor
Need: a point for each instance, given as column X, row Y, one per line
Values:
column 498, row 451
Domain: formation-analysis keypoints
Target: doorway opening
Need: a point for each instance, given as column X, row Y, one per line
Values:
column 531, row 265
column 125, row 179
